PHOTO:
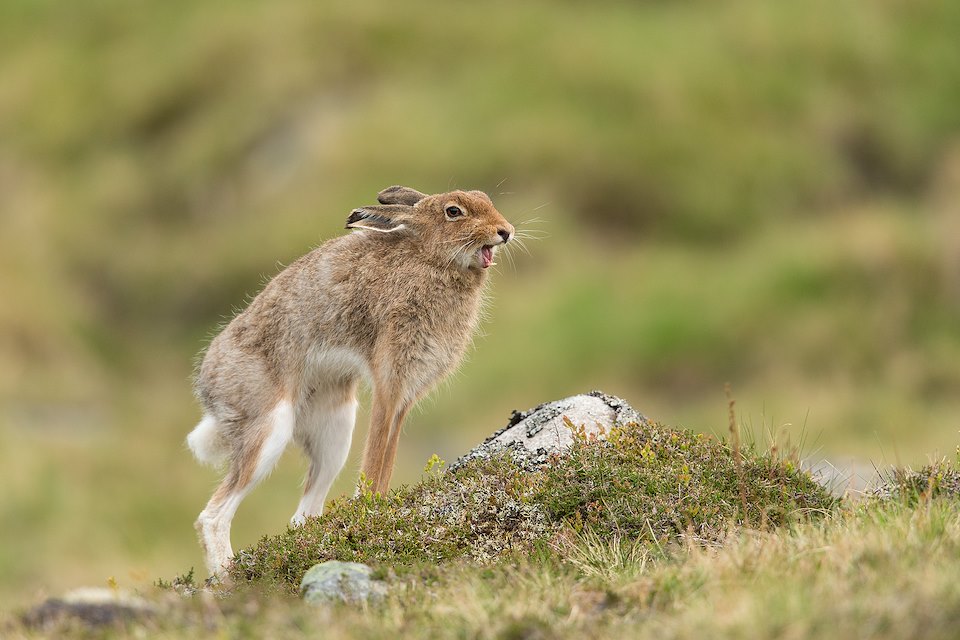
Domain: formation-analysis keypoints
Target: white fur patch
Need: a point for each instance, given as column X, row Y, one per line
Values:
column 206, row 443
column 331, row 430
column 399, row 227
column 280, row 425
column 334, row 362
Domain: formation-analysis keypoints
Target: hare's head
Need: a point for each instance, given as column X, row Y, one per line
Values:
column 460, row 228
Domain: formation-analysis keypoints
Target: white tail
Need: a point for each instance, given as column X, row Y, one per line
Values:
column 207, row 444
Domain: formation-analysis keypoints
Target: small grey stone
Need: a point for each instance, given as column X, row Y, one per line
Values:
column 91, row 607
column 334, row 581
column 533, row 436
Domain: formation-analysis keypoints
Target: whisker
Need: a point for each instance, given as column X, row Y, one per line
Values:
column 461, row 249
column 529, row 234
column 459, row 239
column 522, row 245
column 453, row 257
column 509, row 256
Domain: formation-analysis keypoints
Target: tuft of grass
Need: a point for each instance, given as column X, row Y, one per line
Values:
column 184, row 583
column 644, row 482
column 935, row 480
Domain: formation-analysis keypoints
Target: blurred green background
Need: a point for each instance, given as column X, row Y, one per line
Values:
column 759, row 193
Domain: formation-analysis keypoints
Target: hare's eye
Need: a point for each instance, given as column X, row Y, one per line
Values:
column 453, row 211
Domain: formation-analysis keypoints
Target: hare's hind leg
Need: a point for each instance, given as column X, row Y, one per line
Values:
column 253, row 459
column 324, row 430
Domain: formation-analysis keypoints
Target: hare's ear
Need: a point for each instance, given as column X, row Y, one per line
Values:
column 400, row 195
column 385, row 219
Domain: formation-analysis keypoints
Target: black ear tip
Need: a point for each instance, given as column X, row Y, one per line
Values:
column 355, row 215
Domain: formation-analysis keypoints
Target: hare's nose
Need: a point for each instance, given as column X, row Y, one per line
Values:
column 503, row 233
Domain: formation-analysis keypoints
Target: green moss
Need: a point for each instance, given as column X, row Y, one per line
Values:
column 644, row 482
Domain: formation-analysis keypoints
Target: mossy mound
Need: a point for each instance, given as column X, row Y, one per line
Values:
column 643, row 481
column 659, row 484
column 479, row 511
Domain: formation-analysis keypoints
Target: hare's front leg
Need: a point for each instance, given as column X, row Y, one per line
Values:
column 324, row 430
column 386, row 420
column 390, row 454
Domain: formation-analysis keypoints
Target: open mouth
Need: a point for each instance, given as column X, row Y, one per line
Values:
column 486, row 256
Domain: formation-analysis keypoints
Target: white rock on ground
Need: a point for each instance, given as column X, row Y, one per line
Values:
column 532, row 436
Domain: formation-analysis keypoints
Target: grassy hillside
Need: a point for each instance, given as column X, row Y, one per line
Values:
column 755, row 193
column 478, row 553
column 880, row 573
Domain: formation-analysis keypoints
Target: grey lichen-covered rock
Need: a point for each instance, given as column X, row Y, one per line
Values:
column 91, row 607
column 532, row 436
column 335, row 581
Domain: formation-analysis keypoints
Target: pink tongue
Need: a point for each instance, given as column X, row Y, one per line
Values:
column 486, row 254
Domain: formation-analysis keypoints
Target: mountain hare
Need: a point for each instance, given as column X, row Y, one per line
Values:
column 395, row 302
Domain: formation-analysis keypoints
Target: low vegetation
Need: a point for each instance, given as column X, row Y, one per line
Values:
column 602, row 543
column 644, row 483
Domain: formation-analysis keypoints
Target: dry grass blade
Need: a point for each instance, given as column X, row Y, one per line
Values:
column 735, row 445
